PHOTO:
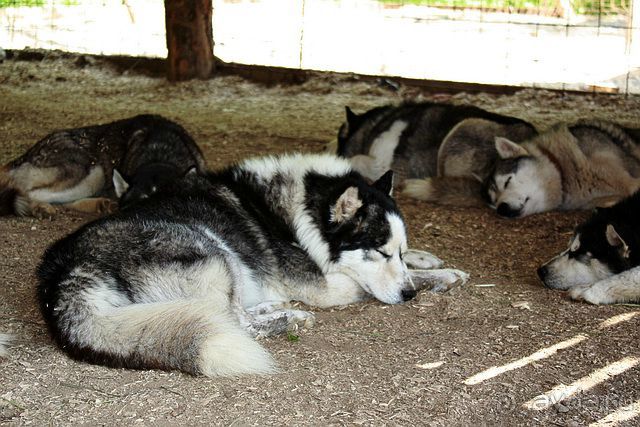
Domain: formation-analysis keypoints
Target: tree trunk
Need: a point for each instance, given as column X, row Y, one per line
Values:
column 189, row 39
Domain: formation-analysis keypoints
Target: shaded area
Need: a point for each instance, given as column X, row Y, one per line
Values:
column 364, row 364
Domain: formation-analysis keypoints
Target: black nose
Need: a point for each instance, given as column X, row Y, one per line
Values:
column 542, row 274
column 507, row 211
column 408, row 294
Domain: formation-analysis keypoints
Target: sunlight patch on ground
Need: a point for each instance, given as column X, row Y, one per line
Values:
column 538, row 355
column 432, row 365
column 625, row 413
column 563, row 392
column 612, row 321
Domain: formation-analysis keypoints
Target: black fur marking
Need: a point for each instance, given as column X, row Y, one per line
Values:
column 354, row 122
column 442, row 117
column 624, row 218
column 7, row 200
column 356, row 233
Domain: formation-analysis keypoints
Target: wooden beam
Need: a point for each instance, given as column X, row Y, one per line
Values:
column 189, row 39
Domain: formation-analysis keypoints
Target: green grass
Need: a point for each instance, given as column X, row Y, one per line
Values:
column 36, row 3
column 586, row 7
column 291, row 337
column 11, row 3
column 466, row 3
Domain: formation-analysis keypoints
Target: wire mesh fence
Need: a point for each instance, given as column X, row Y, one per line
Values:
column 564, row 44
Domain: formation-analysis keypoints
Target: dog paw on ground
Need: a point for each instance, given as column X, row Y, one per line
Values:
column 267, row 307
column 441, row 280
column 106, row 206
column 42, row 210
column 421, row 260
column 588, row 294
column 279, row 322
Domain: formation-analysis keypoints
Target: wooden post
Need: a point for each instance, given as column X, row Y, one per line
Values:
column 189, row 39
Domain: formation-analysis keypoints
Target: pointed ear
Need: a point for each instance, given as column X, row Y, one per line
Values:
column 351, row 116
column 575, row 243
column 614, row 239
column 119, row 184
column 346, row 206
column 385, row 183
column 508, row 149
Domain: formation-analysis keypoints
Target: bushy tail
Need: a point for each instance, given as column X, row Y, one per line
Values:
column 452, row 191
column 189, row 335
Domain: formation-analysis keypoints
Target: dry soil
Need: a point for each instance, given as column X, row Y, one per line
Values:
column 369, row 363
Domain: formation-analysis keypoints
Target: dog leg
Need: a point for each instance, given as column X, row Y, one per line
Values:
column 421, row 260
column 267, row 307
column 278, row 322
column 623, row 287
column 100, row 205
column 26, row 207
column 337, row 289
column 441, row 280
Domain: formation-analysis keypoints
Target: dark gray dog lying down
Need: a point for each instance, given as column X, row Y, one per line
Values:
column 439, row 152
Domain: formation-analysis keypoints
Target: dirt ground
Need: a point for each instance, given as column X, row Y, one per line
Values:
column 366, row 364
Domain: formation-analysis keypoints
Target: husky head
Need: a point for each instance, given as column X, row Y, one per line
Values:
column 147, row 181
column 367, row 237
column 520, row 183
column 352, row 132
column 596, row 251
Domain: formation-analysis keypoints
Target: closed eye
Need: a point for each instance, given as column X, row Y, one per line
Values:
column 385, row 255
column 506, row 184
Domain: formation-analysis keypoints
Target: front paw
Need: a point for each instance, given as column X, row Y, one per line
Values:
column 300, row 319
column 452, row 278
column 105, row 206
column 279, row 322
column 42, row 210
column 588, row 294
column 421, row 260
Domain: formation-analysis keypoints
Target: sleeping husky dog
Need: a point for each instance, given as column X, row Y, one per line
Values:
column 580, row 166
column 602, row 263
column 423, row 140
column 74, row 168
column 184, row 280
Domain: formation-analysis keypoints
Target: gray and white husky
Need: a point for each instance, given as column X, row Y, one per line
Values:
column 602, row 263
column 579, row 166
column 185, row 280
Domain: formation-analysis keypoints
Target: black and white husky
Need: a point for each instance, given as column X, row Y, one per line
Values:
column 409, row 137
column 602, row 263
column 185, row 280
